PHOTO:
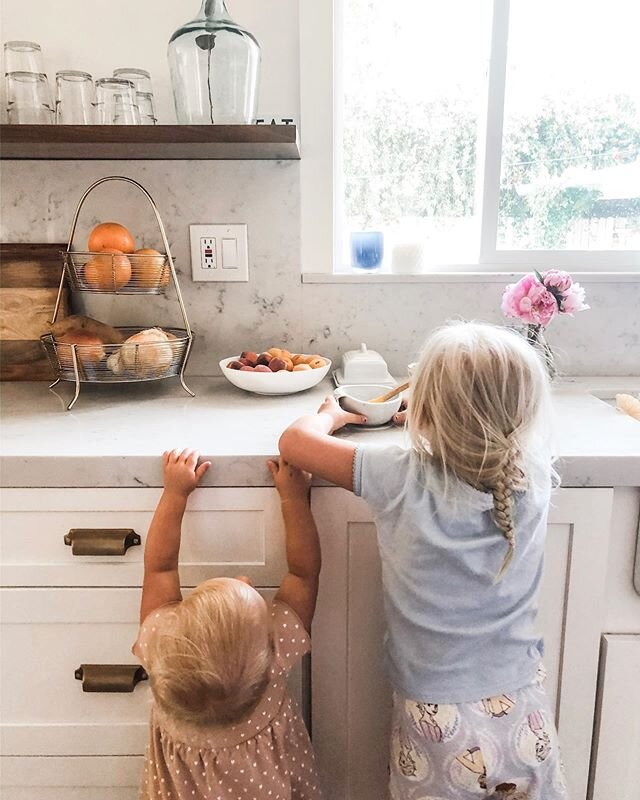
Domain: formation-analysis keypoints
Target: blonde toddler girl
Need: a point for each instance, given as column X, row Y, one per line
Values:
column 223, row 725
column 461, row 521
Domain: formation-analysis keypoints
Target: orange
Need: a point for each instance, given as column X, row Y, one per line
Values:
column 148, row 269
column 109, row 236
column 108, row 272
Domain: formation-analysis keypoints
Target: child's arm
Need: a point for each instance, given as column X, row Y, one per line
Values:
column 161, row 579
column 299, row 587
column 308, row 444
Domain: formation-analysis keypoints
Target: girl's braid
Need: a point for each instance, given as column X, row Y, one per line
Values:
column 509, row 478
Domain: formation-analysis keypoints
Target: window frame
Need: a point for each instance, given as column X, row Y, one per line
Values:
column 320, row 176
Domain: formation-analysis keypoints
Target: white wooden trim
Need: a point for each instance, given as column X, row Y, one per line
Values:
column 588, row 511
column 68, row 773
column 454, row 276
column 493, row 128
column 317, row 135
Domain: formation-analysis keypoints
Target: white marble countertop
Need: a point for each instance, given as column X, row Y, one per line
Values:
column 115, row 434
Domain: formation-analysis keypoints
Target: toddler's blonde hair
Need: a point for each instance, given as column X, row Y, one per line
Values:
column 210, row 664
column 478, row 394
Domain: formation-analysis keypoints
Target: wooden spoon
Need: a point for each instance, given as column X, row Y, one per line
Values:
column 384, row 397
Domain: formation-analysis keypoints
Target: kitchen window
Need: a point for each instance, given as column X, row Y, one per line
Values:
column 498, row 136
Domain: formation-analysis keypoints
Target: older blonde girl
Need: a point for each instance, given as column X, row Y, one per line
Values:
column 461, row 520
column 222, row 723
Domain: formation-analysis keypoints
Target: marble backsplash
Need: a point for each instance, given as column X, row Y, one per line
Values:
column 39, row 198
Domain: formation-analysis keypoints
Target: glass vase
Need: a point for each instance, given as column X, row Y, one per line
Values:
column 536, row 338
column 215, row 69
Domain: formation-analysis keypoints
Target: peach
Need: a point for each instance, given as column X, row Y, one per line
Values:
column 277, row 365
column 250, row 356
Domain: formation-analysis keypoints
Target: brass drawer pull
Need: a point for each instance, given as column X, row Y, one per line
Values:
column 101, row 541
column 110, row 677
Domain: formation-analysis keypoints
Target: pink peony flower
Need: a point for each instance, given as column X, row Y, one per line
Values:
column 530, row 301
column 573, row 300
column 557, row 279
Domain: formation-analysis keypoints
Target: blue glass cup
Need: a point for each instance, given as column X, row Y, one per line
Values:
column 367, row 250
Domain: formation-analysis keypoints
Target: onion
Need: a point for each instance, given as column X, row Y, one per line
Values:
column 147, row 354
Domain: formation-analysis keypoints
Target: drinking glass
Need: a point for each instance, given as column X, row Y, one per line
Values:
column 144, row 101
column 74, row 98
column 29, row 99
column 22, row 57
column 140, row 78
column 367, row 250
column 115, row 102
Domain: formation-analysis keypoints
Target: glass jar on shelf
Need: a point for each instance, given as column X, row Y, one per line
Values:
column 215, row 69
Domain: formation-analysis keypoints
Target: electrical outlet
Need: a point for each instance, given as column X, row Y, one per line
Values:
column 219, row 252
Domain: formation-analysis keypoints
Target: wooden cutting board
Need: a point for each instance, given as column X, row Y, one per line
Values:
column 29, row 278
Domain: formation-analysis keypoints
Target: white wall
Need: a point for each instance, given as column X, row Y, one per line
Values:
column 98, row 37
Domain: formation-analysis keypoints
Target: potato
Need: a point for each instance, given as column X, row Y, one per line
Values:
column 235, row 365
column 261, row 368
column 274, row 351
column 288, row 363
column 247, row 369
column 302, row 368
column 264, row 358
column 77, row 322
column 317, row 362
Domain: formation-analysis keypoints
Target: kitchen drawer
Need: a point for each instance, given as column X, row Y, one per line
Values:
column 47, row 634
column 83, row 778
column 226, row 532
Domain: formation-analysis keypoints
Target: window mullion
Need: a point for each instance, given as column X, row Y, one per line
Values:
column 492, row 163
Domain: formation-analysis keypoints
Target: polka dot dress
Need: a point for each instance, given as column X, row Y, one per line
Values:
column 265, row 757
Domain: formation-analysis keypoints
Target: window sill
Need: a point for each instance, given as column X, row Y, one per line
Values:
column 460, row 277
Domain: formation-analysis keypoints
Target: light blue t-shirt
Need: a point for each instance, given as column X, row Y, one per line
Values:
column 453, row 635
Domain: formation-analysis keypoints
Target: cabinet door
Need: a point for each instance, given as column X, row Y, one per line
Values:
column 351, row 697
column 225, row 532
column 616, row 764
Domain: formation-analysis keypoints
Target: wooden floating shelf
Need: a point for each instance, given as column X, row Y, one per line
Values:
column 148, row 142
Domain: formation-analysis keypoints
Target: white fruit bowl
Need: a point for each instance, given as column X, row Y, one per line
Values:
column 274, row 383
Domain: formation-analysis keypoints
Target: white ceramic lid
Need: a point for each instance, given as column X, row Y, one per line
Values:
column 364, row 366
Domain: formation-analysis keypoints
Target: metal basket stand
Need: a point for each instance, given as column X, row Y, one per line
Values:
column 74, row 367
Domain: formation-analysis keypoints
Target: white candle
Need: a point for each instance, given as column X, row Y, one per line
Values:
column 406, row 258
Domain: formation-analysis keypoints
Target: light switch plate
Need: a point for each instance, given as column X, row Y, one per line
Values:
column 219, row 253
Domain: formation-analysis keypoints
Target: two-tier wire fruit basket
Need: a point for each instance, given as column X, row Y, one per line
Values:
column 136, row 354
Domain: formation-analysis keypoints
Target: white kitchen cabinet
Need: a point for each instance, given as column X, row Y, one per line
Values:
column 225, row 532
column 351, row 698
column 616, row 765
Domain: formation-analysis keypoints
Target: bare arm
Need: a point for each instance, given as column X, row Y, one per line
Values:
column 308, row 444
column 299, row 588
column 161, row 583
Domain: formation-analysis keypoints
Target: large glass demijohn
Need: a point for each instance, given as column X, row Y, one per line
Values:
column 215, row 69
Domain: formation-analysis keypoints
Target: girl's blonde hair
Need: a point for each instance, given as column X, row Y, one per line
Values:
column 210, row 664
column 478, row 394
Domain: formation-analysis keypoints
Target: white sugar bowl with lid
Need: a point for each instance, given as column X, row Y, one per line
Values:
column 363, row 366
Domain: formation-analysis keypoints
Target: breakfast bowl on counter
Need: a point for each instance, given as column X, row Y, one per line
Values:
column 275, row 371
